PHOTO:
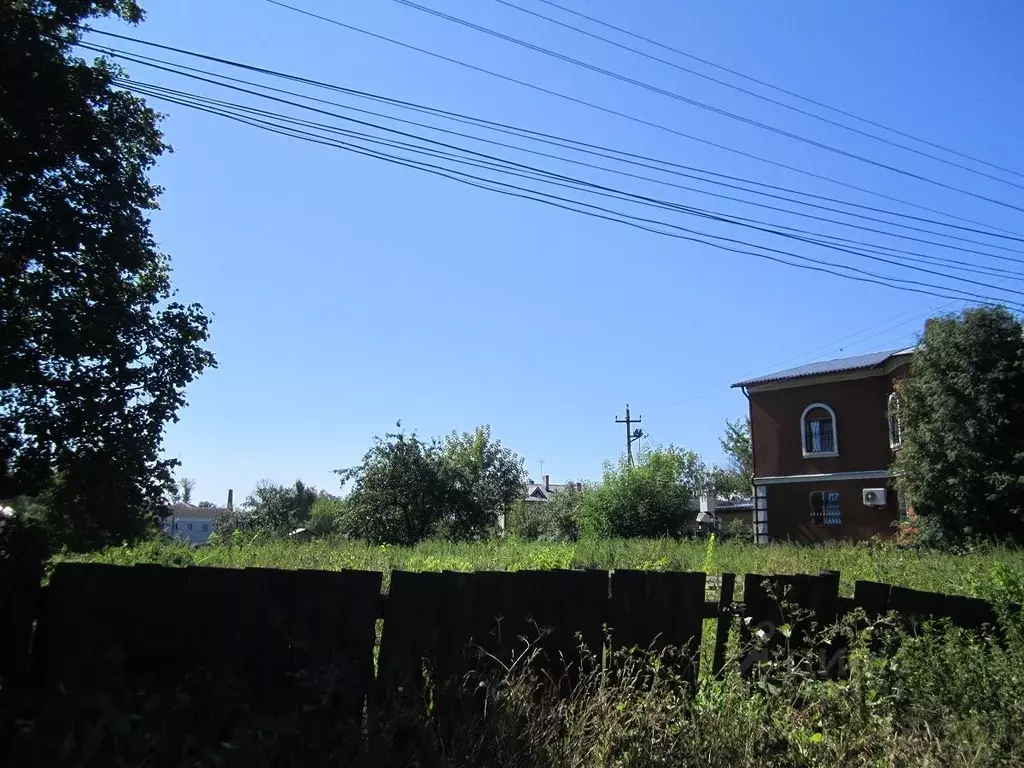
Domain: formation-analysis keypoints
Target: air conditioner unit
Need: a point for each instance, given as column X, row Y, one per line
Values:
column 873, row 497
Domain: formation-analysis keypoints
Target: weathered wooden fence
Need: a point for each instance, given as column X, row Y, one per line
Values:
column 154, row 625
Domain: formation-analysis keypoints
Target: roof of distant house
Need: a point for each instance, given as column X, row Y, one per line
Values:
column 190, row 510
column 838, row 365
column 537, row 491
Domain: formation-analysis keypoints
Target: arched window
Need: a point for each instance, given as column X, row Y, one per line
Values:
column 818, row 431
column 895, row 421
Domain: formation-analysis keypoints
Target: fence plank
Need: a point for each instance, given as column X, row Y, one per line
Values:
column 19, row 603
column 724, row 623
column 873, row 597
column 777, row 606
column 653, row 610
column 966, row 612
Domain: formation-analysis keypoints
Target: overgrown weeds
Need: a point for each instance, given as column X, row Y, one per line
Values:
column 930, row 696
column 990, row 572
column 939, row 696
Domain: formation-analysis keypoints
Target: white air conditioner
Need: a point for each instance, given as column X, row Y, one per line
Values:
column 873, row 497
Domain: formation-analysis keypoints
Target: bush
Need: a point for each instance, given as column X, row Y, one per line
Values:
column 554, row 520
column 648, row 500
column 327, row 516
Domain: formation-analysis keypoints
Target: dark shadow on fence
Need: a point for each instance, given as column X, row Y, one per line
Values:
column 231, row 649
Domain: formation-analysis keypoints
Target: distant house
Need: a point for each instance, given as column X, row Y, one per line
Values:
column 545, row 490
column 191, row 523
column 824, row 436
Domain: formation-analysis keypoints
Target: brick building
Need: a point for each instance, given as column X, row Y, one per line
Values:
column 823, row 440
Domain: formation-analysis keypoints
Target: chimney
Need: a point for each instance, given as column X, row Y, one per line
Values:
column 546, row 482
column 231, row 500
column 579, row 486
column 708, row 502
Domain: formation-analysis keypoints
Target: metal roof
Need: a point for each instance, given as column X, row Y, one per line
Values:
column 838, row 365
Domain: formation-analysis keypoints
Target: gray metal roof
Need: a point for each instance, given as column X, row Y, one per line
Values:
column 838, row 365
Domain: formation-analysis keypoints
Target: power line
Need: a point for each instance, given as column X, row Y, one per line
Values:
column 615, row 193
column 709, row 107
column 661, row 165
column 617, row 113
column 778, row 89
column 595, row 211
column 756, row 95
column 618, row 194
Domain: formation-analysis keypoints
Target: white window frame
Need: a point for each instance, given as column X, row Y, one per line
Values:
column 803, row 433
column 895, row 435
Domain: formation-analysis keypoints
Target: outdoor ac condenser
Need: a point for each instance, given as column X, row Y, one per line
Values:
column 873, row 497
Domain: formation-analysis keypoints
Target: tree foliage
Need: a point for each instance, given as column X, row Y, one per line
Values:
column 277, row 509
column 961, row 462
column 95, row 353
column 406, row 490
column 554, row 520
column 485, row 469
column 735, row 478
column 403, row 492
column 648, row 500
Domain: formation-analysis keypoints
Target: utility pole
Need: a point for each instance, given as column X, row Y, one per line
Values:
column 632, row 435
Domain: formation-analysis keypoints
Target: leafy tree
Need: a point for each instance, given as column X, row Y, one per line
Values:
column 648, row 500
column 206, row 505
column 737, row 445
column 490, row 473
column 94, row 353
column 182, row 491
column 404, row 491
column 328, row 516
column 277, row 509
column 734, row 479
column 961, row 462
column 555, row 520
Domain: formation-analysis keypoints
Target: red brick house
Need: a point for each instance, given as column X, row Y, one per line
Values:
column 823, row 440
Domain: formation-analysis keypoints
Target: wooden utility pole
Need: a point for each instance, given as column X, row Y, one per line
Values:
column 632, row 435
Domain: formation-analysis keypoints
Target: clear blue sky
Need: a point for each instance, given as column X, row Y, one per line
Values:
column 348, row 294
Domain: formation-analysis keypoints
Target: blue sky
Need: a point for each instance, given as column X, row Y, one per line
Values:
column 348, row 294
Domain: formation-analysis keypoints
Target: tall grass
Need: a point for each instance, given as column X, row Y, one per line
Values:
column 991, row 572
column 935, row 697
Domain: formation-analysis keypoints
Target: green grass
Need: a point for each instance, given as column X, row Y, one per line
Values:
column 987, row 572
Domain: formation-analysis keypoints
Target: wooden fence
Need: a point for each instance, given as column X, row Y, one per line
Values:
column 154, row 625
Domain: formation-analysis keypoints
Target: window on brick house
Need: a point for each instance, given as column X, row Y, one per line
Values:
column 818, row 431
column 825, row 508
column 190, row 526
column 895, row 422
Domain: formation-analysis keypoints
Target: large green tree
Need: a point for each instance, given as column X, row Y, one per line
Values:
column 648, row 499
column 94, row 352
column 961, row 462
column 735, row 478
column 404, row 491
column 492, row 474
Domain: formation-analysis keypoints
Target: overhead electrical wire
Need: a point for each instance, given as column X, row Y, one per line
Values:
column 575, row 206
column 616, row 155
column 765, row 84
column 575, row 184
column 659, row 203
column 872, row 248
column 710, row 107
column 756, row 95
column 695, row 211
column 624, row 115
column 582, row 185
